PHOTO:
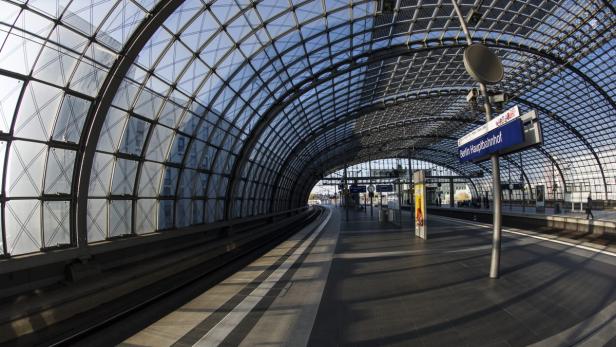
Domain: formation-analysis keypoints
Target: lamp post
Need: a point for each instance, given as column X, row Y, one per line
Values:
column 496, row 182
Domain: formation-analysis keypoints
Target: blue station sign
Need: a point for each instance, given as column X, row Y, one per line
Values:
column 493, row 141
column 357, row 189
column 384, row 188
column 496, row 136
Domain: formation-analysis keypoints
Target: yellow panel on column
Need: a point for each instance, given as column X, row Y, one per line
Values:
column 419, row 179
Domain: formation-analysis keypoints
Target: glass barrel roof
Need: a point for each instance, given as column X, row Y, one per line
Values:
column 127, row 117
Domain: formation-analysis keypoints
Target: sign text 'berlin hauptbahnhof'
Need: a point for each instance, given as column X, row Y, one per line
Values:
column 500, row 133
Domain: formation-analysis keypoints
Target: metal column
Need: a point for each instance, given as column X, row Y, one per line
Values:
column 496, row 191
column 371, row 194
column 523, row 185
column 509, row 183
column 336, row 196
column 411, row 197
column 344, row 193
column 451, row 194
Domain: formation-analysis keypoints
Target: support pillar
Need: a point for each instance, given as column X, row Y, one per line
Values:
column 345, row 194
column 451, row 193
column 496, row 183
column 411, row 198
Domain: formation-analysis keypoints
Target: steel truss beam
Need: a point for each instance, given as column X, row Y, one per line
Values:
column 394, row 140
column 99, row 109
column 552, row 115
column 354, row 63
column 311, row 182
column 573, row 131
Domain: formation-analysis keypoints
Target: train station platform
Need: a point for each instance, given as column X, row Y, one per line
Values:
column 598, row 214
column 364, row 283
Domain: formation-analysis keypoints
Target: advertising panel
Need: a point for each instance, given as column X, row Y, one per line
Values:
column 420, row 210
column 500, row 120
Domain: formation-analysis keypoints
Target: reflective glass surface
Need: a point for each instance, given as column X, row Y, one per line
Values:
column 127, row 117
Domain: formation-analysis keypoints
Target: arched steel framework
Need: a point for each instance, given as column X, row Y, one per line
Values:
column 127, row 117
column 361, row 169
column 358, row 62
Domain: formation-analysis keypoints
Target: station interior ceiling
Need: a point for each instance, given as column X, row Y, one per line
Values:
column 127, row 117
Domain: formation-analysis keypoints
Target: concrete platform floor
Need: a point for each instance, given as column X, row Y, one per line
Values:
column 361, row 283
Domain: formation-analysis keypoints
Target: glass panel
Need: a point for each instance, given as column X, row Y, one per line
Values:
column 23, row 226
column 159, row 143
column 112, row 130
column 124, row 177
column 37, row 113
column 9, row 94
column 97, row 220
column 56, row 223
column 26, row 167
column 120, row 217
column 59, row 174
column 146, row 216
column 183, row 213
column 197, row 211
column 165, row 214
column 101, row 174
column 134, row 136
column 70, row 120
column 150, row 179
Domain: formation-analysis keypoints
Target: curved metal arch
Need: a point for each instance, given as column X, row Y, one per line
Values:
column 309, row 83
column 457, row 170
column 555, row 162
column 544, row 152
column 347, row 37
column 460, row 90
column 311, row 163
column 98, row 110
column 278, row 107
column 358, row 135
column 298, row 149
column 265, row 66
column 508, row 160
column 308, row 187
column 517, row 165
column 521, row 100
column 382, row 143
column 225, row 82
column 573, row 131
column 425, row 45
column 348, row 117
